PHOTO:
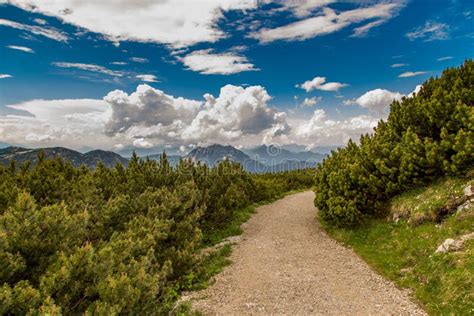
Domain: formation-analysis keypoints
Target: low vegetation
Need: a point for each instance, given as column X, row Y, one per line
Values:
column 402, row 245
column 425, row 137
column 120, row 240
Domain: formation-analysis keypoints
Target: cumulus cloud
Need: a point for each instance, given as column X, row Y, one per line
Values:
column 4, row 76
column 329, row 21
column 147, row 78
column 70, row 122
column 147, row 107
column 142, row 143
column 206, row 62
column 149, row 117
column 411, row 74
column 177, row 23
column 415, row 91
column 319, row 83
column 48, row 32
column 311, row 101
column 376, row 101
column 236, row 112
column 320, row 130
column 88, row 67
column 430, row 31
column 21, row 48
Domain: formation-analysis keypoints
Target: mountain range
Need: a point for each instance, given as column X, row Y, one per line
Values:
column 259, row 159
column 90, row 159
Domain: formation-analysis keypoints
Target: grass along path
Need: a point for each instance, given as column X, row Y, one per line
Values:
column 404, row 250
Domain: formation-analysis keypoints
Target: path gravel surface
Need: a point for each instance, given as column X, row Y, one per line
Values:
column 285, row 264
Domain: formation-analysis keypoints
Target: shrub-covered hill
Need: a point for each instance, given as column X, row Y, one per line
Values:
column 125, row 240
column 425, row 137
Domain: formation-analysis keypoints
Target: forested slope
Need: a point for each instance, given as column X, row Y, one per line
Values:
column 425, row 137
column 115, row 241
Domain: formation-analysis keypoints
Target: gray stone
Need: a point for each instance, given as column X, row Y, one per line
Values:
column 468, row 191
column 449, row 245
column 466, row 205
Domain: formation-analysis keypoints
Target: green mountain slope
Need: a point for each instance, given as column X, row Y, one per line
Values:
column 425, row 137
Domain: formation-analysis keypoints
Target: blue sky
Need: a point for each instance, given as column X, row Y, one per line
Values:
column 314, row 72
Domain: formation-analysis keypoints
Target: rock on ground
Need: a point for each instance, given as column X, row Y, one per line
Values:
column 286, row 265
column 454, row 244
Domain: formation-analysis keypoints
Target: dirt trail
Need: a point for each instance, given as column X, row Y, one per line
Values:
column 286, row 264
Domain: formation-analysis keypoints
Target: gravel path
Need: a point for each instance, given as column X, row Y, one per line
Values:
column 286, row 264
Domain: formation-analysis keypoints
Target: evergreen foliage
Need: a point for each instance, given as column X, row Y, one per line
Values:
column 425, row 137
column 115, row 241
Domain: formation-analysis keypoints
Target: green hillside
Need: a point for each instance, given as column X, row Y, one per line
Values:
column 403, row 245
column 425, row 137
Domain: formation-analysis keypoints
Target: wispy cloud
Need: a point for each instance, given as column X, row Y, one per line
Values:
column 398, row 65
column 329, row 22
column 411, row 74
column 40, row 21
column 139, row 60
column 363, row 30
column 88, row 67
column 49, row 32
column 119, row 63
column 4, row 76
column 430, row 31
column 175, row 23
column 444, row 58
column 21, row 48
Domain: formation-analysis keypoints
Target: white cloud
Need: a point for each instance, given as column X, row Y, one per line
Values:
column 236, row 112
column 303, row 8
column 49, row 32
column 329, row 21
column 149, row 117
column 398, row 65
column 142, row 143
column 415, row 91
column 139, row 60
column 40, row 21
column 311, row 101
column 319, row 83
column 88, row 67
column 363, row 30
column 319, row 130
column 411, row 74
column 147, row 78
column 71, row 123
column 177, row 23
column 444, row 58
column 119, row 63
column 377, row 100
column 147, row 107
column 4, row 76
column 430, row 31
column 21, row 48
column 206, row 62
